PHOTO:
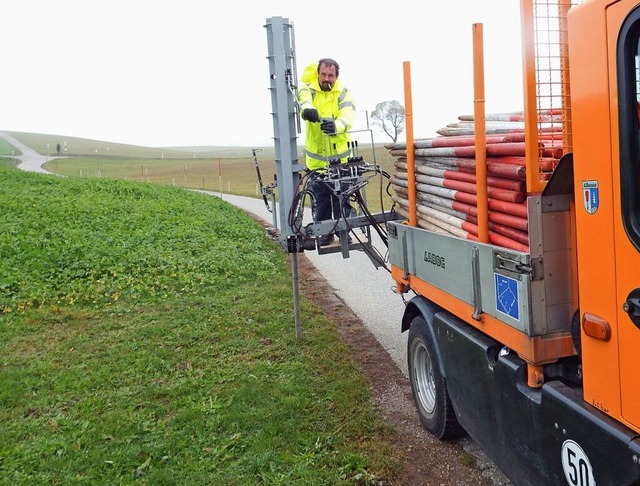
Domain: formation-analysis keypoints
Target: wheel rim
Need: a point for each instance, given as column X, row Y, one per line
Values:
column 423, row 378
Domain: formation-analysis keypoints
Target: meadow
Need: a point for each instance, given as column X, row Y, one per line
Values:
column 229, row 170
column 7, row 150
column 146, row 335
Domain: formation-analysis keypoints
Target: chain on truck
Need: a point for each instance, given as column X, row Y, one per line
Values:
column 531, row 348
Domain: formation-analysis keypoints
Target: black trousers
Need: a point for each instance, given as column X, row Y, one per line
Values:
column 327, row 204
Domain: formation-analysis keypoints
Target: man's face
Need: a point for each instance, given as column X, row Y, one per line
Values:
column 327, row 77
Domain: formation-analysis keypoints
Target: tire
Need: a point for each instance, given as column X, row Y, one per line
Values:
column 428, row 386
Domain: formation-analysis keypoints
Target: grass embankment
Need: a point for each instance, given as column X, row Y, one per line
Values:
column 6, row 151
column 146, row 335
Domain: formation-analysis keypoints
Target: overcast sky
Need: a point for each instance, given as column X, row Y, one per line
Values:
column 194, row 72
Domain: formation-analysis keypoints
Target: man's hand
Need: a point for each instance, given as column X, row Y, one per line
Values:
column 328, row 126
column 310, row 114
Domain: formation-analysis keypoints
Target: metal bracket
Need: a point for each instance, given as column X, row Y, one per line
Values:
column 293, row 244
column 505, row 263
column 477, row 296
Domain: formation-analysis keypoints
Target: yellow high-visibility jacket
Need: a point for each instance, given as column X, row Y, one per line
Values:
column 337, row 104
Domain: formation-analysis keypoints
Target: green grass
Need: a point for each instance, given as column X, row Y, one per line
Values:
column 7, row 162
column 146, row 335
column 7, row 149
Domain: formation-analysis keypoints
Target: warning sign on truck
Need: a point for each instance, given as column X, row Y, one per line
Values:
column 507, row 296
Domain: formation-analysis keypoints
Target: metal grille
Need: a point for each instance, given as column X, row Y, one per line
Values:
column 552, row 75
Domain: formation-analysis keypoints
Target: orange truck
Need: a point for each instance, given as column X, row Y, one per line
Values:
column 536, row 354
column 524, row 308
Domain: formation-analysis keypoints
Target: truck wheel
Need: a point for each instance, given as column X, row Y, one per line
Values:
column 428, row 386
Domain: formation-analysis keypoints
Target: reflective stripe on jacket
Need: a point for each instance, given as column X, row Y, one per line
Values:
column 336, row 104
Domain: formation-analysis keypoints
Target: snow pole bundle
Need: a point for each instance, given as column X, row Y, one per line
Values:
column 519, row 210
column 507, row 207
column 516, row 219
column 446, row 193
column 546, row 136
column 515, row 228
column 497, row 217
column 400, row 190
column 510, row 220
column 506, row 148
column 464, row 141
column 457, row 227
column 451, row 131
column 471, row 188
column 509, row 232
column 506, row 242
column 549, row 116
column 496, row 127
column 458, row 195
column 430, row 222
column 454, row 173
column 551, row 151
column 470, row 223
column 423, row 223
column 492, row 149
column 497, row 182
column 547, row 164
column 495, row 166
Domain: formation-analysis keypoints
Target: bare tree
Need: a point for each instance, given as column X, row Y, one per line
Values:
column 389, row 115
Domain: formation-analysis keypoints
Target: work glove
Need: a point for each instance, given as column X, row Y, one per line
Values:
column 328, row 126
column 310, row 114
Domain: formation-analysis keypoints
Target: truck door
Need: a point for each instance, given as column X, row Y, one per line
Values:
column 623, row 21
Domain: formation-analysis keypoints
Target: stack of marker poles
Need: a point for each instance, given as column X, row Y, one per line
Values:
column 446, row 185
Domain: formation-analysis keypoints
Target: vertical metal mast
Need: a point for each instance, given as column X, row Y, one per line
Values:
column 281, row 77
column 283, row 103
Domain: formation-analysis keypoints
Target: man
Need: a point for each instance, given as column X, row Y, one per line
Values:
column 329, row 112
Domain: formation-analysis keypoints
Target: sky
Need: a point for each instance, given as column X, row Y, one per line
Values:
column 195, row 73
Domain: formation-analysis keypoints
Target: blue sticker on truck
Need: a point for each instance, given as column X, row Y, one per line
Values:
column 507, row 296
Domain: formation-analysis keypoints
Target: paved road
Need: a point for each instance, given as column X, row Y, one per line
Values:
column 30, row 160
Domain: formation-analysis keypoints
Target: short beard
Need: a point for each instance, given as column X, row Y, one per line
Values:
column 325, row 87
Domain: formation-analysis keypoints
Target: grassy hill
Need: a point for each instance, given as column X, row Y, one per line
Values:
column 146, row 335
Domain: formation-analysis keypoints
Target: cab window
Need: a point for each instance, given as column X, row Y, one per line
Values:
column 628, row 68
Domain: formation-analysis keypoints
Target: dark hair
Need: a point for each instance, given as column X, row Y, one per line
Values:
column 329, row 62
